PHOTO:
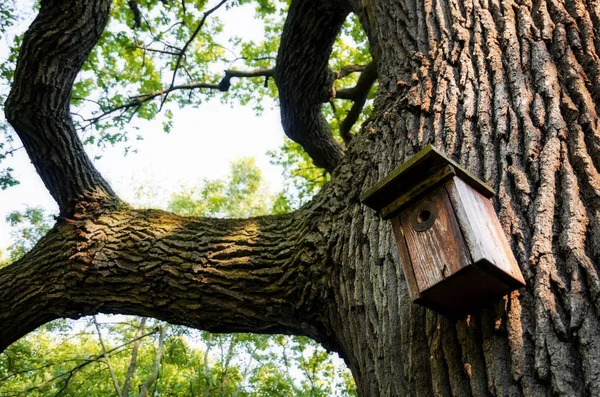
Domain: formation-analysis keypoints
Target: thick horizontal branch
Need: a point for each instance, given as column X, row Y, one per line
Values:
column 256, row 275
column 38, row 104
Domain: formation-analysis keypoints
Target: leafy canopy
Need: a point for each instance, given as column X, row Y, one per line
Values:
column 155, row 56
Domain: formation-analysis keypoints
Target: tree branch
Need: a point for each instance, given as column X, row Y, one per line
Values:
column 134, row 354
column 359, row 94
column 143, row 98
column 157, row 50
column 105, row 355
column 140, row 99
column 255, row 275
column 223, row 86
column 187, row 44
column 38, row 104
column 303, row 77
column 207, row 370
column 346, row 70
column 225, row 83
column 137, row 15
column 156, row 367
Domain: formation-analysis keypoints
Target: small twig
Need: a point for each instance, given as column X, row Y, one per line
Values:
column 171, row 27
column 11, row 152
column 270, row 58
column 157, row 50
column 156, row 39
column 137, row 108
column 187, row 44
column 87, row 100
column 110, row 368
column 100, row 81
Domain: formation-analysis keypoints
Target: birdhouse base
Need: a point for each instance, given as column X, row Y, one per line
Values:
column 467, row 290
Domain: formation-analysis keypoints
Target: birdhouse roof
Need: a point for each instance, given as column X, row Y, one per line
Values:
column 422, row 172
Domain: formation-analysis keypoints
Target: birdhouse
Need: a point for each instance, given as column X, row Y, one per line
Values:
column 453, row 250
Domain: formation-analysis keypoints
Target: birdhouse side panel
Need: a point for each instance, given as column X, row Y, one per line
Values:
column 434, row 241
column 481, row 229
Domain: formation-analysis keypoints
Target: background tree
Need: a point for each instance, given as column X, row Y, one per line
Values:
column 508, row 89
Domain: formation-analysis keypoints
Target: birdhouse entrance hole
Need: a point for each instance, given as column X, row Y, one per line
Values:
column 424, row 216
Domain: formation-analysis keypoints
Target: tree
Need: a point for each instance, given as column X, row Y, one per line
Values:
column 507, row 89
column 61, row 358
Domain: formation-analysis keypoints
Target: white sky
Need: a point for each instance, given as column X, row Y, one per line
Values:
column 201, row 145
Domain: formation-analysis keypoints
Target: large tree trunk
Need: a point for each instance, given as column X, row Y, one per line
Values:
column 509, row 90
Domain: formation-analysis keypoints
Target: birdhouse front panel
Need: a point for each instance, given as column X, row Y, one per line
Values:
column 433, row 238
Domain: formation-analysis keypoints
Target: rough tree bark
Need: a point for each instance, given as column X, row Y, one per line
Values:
column 508, row 89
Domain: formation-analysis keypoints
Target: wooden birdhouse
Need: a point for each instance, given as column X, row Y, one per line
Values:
column 453, row 250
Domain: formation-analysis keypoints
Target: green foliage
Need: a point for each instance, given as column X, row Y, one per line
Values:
column 6, row 179
column 241, row 194
column 302, row 179
column 68, row 357
column 28, row 227
column 8, row 15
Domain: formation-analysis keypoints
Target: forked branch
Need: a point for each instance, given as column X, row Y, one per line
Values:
column 187, row 44
column 359, row 94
